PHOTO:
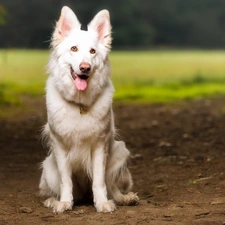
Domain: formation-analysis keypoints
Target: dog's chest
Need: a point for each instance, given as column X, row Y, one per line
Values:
column 75, row 128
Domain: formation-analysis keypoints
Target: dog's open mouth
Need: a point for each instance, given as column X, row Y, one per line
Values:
column 80, row 80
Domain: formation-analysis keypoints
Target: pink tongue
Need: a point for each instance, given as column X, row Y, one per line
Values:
column 81, row 84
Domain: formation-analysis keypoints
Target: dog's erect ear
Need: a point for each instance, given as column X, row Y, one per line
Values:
column 101, row 24
column 65, row 24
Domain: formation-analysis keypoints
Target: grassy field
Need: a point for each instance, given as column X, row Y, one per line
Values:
column 22, row 72
column 162, row 76
column 147, row 76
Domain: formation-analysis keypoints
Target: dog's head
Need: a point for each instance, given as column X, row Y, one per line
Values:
column 80, row 53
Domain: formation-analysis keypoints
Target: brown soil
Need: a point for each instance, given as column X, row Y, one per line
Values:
column 177, row 164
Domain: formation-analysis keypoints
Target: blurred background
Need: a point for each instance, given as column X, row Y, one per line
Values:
column 137, row 24
column 163, row 50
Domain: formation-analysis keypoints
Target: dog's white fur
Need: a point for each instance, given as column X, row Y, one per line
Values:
column 83, row 154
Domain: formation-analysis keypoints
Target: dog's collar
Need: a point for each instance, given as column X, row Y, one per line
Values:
column 84, row 27
column 83, row 109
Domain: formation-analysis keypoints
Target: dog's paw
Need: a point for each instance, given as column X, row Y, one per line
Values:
column 130, row 199
column 50, row 202
column 60, row 207
column 105, row 207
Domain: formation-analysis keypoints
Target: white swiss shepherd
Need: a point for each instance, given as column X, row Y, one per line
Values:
column 84, row 156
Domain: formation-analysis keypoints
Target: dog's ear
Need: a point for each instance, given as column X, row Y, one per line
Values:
column 65, row 24
column 101, row 24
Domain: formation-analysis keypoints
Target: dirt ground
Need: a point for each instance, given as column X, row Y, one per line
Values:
column 177, row 163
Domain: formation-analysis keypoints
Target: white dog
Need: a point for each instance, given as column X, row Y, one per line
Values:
column 84, row 155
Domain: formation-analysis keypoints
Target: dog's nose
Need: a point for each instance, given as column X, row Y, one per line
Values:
column 85, row 67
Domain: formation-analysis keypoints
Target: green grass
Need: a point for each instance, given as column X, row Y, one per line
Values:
column 22, row 72
column 147, row 76
column 162, row 76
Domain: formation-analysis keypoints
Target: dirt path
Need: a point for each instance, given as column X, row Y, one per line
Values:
column 178, row 155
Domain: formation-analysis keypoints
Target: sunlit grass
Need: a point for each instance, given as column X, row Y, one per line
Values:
column 149, row 76
column 162, row 76
column 162, row 66
column 22, row 72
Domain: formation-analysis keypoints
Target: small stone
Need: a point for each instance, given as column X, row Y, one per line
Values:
column 217, row 201
column 80, row 211
column 131, row 212
column 166, row 216
column 203, row 213
column 136, row 156
column 154, row 123
column 186, row 136
column 25, row 210
column 165, row 144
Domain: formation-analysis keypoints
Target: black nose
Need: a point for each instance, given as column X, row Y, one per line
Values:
column 85, row 67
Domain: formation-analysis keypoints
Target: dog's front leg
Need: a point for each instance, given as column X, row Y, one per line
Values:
column 66, row 184
column 66, row 189
column 102, row 204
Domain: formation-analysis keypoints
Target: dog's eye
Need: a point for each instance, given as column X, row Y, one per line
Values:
column 74, row 49
column 92, row 51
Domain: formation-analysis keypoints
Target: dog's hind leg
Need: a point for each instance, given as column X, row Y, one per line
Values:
column 119, row 180
column 49, row 183
column 121, row 189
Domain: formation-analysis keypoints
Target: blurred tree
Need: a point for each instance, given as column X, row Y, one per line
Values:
column 132, row 26
column 2, row 15
column 189, row 23
column 136, row 24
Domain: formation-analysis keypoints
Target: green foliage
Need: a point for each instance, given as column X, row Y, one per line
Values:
column 136, row 24
column 3, row 13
